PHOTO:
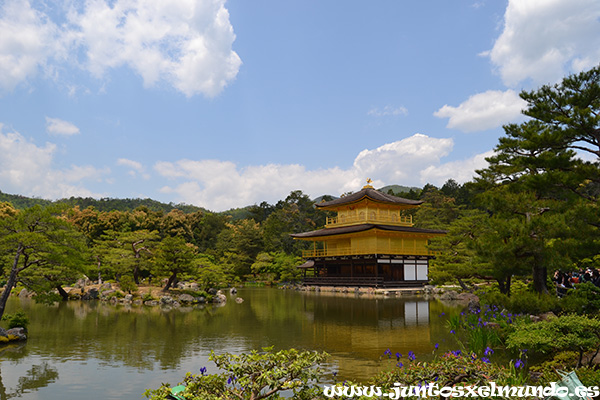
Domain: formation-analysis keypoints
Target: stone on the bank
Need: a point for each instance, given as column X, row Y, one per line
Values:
column 91, row 294
column 220, row 297
column 449, row 295
column 166, row 300
column 17, row 333
column 547, row 315
column 186, row 298
column 233, row 291
column 107, row 293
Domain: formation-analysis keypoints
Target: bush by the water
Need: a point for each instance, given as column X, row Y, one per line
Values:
column 522, row 300
column 16, row 320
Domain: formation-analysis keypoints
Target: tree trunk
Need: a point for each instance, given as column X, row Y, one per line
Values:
column 540, row 275
column 63, row 294
column 99, row 274
column 136, row 274
column 504, row 285
column 172, row 279
column 12, row 281
column 464, row 286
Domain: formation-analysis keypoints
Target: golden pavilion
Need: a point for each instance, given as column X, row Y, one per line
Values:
column 370, row 242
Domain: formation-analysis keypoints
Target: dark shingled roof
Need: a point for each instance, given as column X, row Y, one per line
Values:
column 361, row 228
column 372, row 194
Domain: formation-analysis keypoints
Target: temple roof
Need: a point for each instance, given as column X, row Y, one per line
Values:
column 371, row 193
column 364, row 227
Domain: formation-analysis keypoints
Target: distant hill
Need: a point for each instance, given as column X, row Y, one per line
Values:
column 21, row 202
column 105, row 204
column 109, row 204
column 325, row 197
column 398, row 189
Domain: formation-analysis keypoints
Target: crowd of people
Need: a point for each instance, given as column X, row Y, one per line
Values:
column 568, row 280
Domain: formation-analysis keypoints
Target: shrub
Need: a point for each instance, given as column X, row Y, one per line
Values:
column 521, row 301
column 584, row 299
column 18, row 319
column 127, row 284
column 565, row 333
column 447, row 370
column 148, row 297
column 253, row 375
column 527, row 302
column 566, row 361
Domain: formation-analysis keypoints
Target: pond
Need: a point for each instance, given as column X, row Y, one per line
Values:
column 89, row 349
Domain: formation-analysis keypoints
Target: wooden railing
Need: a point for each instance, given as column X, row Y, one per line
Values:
column 347, row 251
column 344, row 281
column 391, row 220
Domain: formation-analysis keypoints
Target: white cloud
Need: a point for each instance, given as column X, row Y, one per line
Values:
column 400, row 161
column 27, row 169
column 388, row 111
column 27, row 40
column 543, row 40
column 131, row 164
column 484, row 111
column 135, row 168
column 183, row 43
column 461, row 170
column 220, row 185
column 57, row 126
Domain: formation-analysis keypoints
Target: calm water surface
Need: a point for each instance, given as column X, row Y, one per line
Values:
column 92, row 350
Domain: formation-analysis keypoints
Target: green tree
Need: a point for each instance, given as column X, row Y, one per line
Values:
column 457, row 257
column 238, row 246
column 297, row 213
column 541, row 156
column 438, row 210
column 41, row 245
column 277, row 266
column 208, row 273
column 174, row 256
column 206, row 229
column 522, row 234
column 126, row 252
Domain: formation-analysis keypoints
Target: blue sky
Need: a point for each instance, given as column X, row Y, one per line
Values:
column 224, row 104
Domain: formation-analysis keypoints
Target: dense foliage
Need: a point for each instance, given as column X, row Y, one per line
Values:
column 253, row 376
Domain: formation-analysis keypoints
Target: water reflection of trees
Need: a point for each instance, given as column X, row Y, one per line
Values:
column 145, row 337
column 38, row 376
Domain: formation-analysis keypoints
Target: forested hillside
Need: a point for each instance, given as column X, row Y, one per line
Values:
column 105, row 204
